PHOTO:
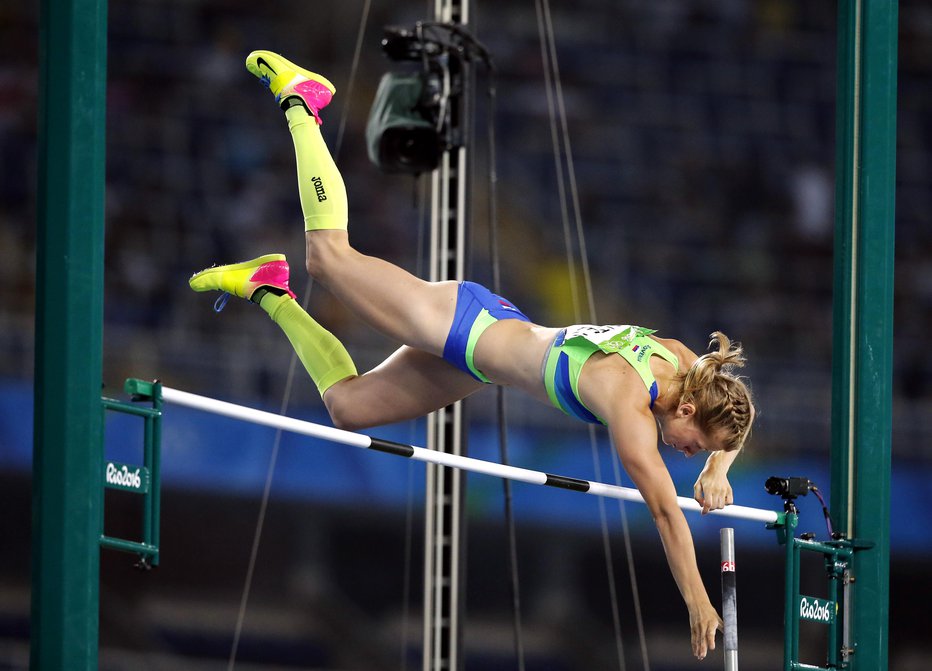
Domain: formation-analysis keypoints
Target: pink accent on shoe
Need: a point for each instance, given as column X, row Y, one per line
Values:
column 316, row 95
column 274, row 274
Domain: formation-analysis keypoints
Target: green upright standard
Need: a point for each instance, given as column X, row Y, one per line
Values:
column 863, row 313
column 67, row 472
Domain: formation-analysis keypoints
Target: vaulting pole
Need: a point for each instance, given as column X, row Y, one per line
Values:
column 863, row 311
column 68, row 434
column 729, row 599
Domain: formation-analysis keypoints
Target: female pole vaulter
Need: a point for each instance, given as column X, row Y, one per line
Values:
column 458, row 337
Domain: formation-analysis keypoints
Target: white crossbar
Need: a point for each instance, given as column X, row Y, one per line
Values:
column 471, row 464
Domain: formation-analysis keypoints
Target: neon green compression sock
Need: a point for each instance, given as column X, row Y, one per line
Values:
column 320, row 184
column 324, row 357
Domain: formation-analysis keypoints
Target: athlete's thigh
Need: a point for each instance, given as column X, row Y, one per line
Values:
column 409, row 384
column 390, row 299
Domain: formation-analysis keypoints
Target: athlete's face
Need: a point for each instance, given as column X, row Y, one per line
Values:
column 681, row 433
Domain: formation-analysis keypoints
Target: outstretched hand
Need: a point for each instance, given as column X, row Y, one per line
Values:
column 703, row 623
column 712, row 490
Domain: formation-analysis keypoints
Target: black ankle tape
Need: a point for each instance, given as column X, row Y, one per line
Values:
column 294, row 101
column 258, row 294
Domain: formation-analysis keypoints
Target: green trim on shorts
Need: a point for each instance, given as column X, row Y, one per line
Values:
column 483, row 321
column 549, row 372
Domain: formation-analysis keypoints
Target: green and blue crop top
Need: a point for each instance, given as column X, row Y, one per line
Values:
column 573, row 346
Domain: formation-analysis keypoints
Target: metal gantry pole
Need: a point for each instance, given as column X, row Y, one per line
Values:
column 444, row 537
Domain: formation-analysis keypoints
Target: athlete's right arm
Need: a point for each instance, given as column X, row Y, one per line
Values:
column 635, row 439
column 712, row 490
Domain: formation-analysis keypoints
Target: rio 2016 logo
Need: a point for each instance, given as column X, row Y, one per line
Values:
column 816, row 609
column 121, row 476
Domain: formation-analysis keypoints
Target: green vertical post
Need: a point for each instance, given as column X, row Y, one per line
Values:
column 791, row 592
column 68, row 430
column 863, row 309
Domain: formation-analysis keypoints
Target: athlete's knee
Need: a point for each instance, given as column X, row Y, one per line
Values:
column 325, row 250
column 345, row 412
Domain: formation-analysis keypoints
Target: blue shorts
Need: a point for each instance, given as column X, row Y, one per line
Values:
column 477, row 309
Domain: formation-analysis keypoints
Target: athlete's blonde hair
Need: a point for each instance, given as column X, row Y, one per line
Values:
column 723, row 401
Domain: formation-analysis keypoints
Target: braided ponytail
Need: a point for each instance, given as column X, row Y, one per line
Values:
column 722, row 399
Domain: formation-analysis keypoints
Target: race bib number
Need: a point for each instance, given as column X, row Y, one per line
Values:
column 608, row 338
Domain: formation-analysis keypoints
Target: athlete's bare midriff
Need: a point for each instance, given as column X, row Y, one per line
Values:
column 510, row 353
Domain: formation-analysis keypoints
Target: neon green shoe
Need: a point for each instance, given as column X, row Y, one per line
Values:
column 286, row 80
column 242, row 279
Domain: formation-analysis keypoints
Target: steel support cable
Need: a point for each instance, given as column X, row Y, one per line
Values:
column 289, row 384
column 406, row 577
column 553, row 90
column 421, row 191
column 550, row 57
column 501, row 407
column 552, row 87
column 422, row 220
column 590, row 296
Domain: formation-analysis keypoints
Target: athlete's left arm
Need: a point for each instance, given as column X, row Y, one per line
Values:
column 712, row 489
